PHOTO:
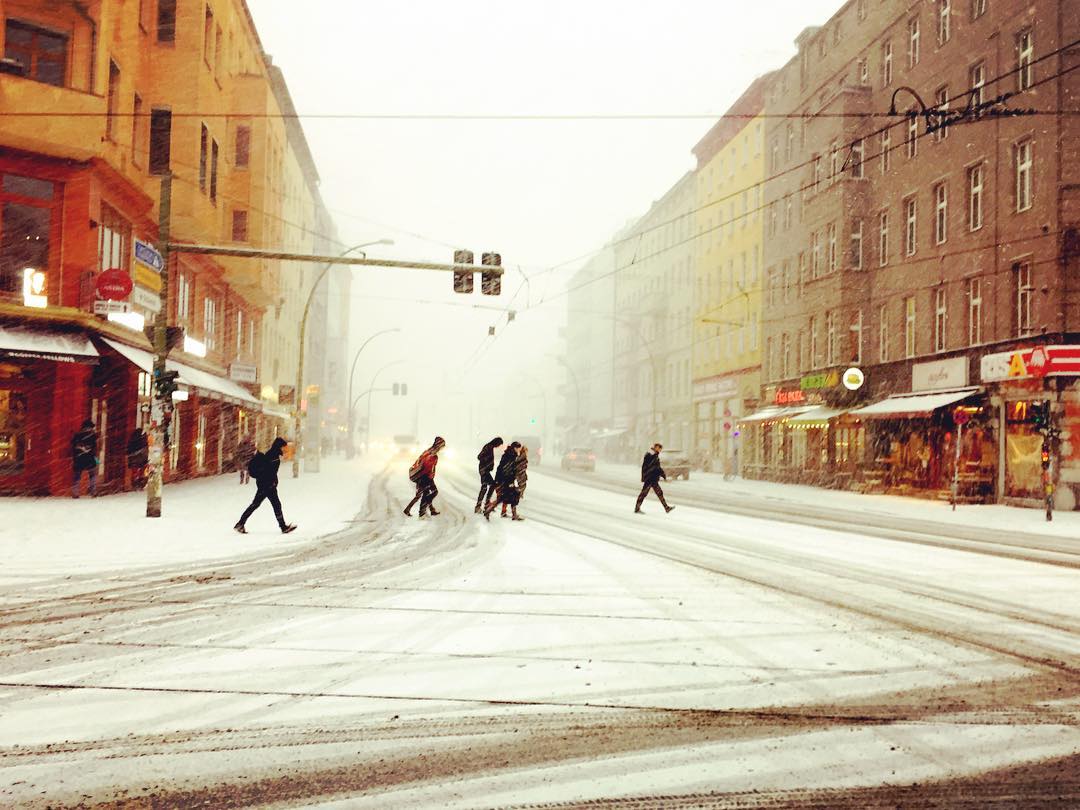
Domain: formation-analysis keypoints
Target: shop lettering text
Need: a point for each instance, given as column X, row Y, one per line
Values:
column 789, row 397
column 814, row 382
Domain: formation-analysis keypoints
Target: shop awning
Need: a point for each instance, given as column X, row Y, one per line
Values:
column 607, row 434
column 278, row 411
column 190, row 376
column 773, row 414
column 46, row 344
column 920, row 403
column 822, row 413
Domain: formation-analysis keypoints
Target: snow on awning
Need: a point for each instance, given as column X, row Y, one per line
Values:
column 34, row 344
column 822, row 413
column 920, row 403
column 190, row 376
column 773, row 414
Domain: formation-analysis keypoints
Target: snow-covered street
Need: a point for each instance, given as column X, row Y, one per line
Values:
column 701, row 658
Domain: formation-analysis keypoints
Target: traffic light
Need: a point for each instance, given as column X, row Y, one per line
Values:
column 1046, row 458
column 165, row 382
column 463, row 279
column 401, row 389
column 1040, row 413
column 491, row 283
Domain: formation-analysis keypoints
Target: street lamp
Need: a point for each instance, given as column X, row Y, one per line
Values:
column 352, row 371
column 300, row 365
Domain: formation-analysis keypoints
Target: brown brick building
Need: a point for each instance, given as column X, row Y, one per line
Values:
column 918, row 254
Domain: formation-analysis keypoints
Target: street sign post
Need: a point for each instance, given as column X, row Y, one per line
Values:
column 114, row 284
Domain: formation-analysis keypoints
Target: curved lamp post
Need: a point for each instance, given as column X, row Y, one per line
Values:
column 352, row 372
column 367, row 424
column 299, row 392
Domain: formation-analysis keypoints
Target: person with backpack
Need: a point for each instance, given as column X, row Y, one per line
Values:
column 422, row 473
column 651, row 473
column 84, row 447
column 486, row 459
column 263, row 467
column 504, row 476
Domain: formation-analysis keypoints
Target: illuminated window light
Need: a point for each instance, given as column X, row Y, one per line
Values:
column 34, row 292
column 195, row 347
column 132, row 320
column 179, row 396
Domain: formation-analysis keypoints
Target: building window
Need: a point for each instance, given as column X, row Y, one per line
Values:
column 830, row 338
column 813, row 342
column 1023, row 175
column 210, row 322
column 833, row 257
column 239, row 332
column 1025, row 56
column 183, row 298
column 136, row 129
column 817, row 171
column 112, row 102
column 789, row 283
column 940, row 315
column 204, row 154
column 166, row 21
column 912, row 138
column 944, row 25
column 941, row 106
column 883, row 333
column 768, row 358
column 772, row 219
column 785, row 355
column 856, row 244
column 208, row 37
column 789, row 147
column 886, row 63
column 857, row 158
column 977, row 77
column 974, row 293
column 913, row 42
column 43, row 54
column 213, row 170
column 978, row 8
column 909, row 326
column 886, row 149
column 787, row 212
column 864, row 71
column 941, row 213
column 834, row 162
column 26, row 205
column 160, row 140
column 1024, row 289
column 910, row 226
column 114, row 236
column 975, row 194
column 243, row 147
column 883, row 238
column 815, row 254
column 239, row 225
column 856, row 339
column 861, row 10
column 802, row 268
column 774, row 156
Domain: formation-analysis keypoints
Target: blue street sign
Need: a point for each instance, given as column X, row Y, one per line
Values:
column 146, row 254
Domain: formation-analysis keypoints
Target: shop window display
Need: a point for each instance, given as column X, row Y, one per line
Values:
column 12, row 431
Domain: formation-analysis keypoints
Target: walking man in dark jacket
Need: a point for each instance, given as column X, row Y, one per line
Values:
column 422, row 473
column 651, row 473
column 264, row 469
column 84, row 447
column 486, row 457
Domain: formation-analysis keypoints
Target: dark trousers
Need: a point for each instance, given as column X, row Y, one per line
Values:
column 425, row 493
column 76, row 481
column 264, row 494
column 487, row 488
column 655, row 487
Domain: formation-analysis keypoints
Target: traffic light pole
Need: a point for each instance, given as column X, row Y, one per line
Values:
column 161, row 397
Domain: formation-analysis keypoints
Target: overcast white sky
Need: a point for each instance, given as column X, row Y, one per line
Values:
column 541, row 193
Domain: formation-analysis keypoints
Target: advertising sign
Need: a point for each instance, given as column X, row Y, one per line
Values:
column 142, row 297
column 1023, row 364
column 114, row 284
column 242, row 373
column 940, row 374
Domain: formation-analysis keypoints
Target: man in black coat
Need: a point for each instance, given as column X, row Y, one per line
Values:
column 486, row 459
column 504, row 475
column 84, row 448
column 264, row 471
column 651, row 473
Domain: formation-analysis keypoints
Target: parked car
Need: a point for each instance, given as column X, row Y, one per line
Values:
column 676, row 464
column 579, row 458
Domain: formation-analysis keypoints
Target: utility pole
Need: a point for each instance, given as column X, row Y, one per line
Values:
column 161, row 399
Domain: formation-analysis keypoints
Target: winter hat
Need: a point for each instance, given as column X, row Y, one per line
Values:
column 439, row 442
column 87, row 424
column 279, row 443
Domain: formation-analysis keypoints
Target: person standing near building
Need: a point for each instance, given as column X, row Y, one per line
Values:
column 486, row 459
column 245, row 452
column 138, row 454
column 651, row 473
column 84, row 447
column 263, row 467
column 422, row 473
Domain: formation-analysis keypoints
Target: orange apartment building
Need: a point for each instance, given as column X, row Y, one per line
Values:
column 98, row 101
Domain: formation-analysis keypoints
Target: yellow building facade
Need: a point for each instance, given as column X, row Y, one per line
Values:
column 729, row 223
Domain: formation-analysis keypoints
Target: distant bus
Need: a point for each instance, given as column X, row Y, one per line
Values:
column 534, row 445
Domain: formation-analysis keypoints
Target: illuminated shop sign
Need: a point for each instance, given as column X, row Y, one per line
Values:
column 816, row 382
column 790, row 397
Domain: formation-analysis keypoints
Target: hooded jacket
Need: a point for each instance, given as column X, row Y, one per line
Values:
column 84, row 449
column 504, row 475
column 486, row 457
column 651, row 471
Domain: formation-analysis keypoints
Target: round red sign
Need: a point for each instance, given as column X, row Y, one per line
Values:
column 114, row 284
column 961, row 416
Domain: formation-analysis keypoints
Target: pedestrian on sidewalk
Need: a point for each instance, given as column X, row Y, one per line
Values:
column 486, row 459
column 651, row 473
column 245, row 452
column 263, row 467
column 504, row 474
column 84, row 448
column 422, row 473
column 138, row 455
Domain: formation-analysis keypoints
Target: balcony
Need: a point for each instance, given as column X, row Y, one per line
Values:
column 76, row 134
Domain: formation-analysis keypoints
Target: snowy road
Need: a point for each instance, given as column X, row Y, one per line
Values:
column 692, row 659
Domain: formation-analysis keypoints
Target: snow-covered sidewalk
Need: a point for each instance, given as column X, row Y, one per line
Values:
column 976, row 516
column 50, row 537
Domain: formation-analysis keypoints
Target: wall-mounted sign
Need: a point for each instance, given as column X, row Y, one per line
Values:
column 144, row 298
column 147, row 255
column 715, row 387
column 789, row 396
column 242, row 373
column 114, row 284
column 1024, row 364
column 147, row 278
column 111, row 307
column 816, row 382
column 853, row 379
column 940, row 374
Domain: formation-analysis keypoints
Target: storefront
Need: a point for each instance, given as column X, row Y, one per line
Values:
column 719, row 403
